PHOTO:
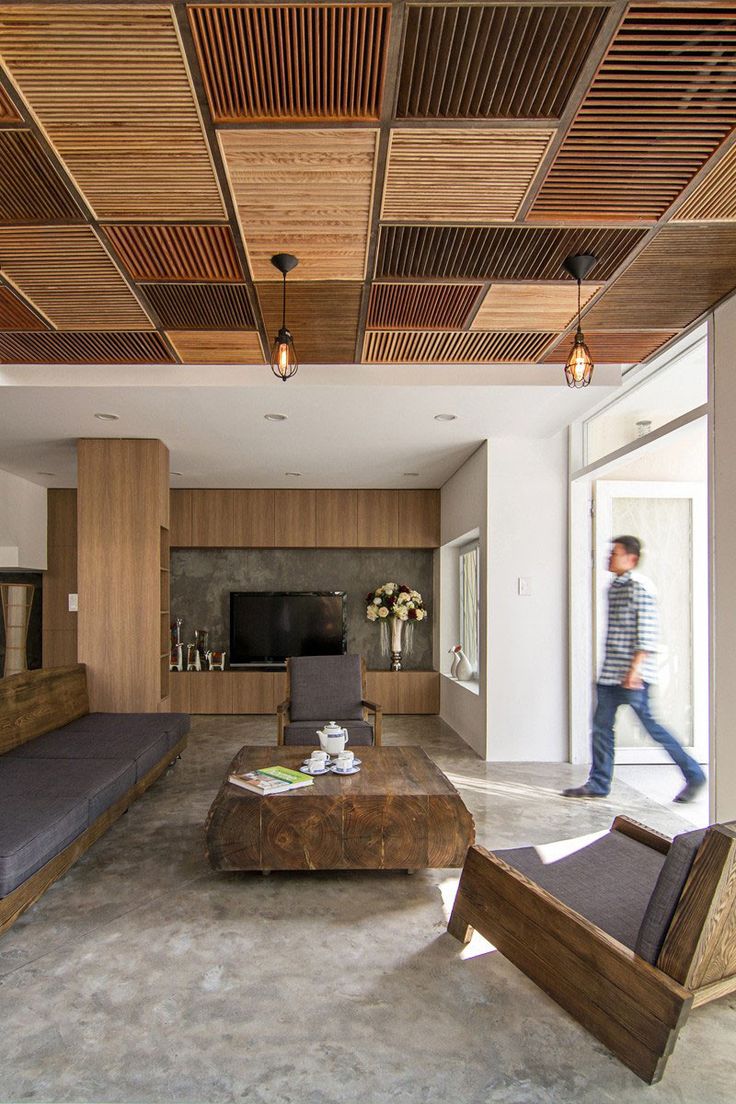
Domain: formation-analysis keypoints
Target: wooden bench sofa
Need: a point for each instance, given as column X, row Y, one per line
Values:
column 66, row 775
column 627, row 933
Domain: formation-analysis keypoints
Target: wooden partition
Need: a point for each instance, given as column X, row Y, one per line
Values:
column 59, row 624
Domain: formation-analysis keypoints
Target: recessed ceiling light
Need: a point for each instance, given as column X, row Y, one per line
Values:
column 410, row 474
column 46, row 473
column 445, row 417
column 276, row 417
column 293, row 473
column 108, row 417
column 176, row 473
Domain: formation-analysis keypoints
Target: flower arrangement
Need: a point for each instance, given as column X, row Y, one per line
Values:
column 392, row 600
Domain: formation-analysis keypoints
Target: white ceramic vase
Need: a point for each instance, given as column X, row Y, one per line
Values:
column 464, row 670
column 455, row 661
column 396, row 627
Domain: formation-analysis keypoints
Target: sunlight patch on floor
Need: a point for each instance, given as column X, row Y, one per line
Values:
column 477, row 945
column 503, row 789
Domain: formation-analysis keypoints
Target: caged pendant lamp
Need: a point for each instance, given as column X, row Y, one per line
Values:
column 579, row 365
column 283, row 354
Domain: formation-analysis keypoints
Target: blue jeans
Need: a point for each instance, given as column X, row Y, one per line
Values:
column 609, row 699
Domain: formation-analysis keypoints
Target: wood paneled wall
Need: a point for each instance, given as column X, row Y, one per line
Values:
column 59, row 626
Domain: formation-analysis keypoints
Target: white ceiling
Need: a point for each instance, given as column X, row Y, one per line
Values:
column 348, row 426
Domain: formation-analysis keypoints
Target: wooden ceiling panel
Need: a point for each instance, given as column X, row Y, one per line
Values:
column 110, row 87
column 31, row 190
column 83, row 348
column 460, row 175
column 531, row 306
column 176, row 252
column 306, row 192
column 500, row 252
column 8, row 112
column 66, row 272
column 662, row 102
column 421, row 306
column 715, row 197
column 614, row 348
column 15, row 315
column 323, row 318
column 493, row 61
column 201, row 306
column 216, row 347
column 292, row 62
column 467, row 347
column 684, row 270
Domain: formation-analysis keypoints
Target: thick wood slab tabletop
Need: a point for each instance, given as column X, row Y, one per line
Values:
column 398, row 812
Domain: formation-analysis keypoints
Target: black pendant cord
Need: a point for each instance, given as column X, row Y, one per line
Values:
column 283, row 306
column 578, row 306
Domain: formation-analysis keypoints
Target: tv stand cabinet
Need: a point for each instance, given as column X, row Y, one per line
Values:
column 261, row 691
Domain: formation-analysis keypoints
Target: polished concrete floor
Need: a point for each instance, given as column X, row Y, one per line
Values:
column 142, row 975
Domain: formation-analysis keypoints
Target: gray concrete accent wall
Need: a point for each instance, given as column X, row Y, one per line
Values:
column 202, row 578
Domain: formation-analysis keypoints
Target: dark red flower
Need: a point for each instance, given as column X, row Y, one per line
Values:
column 412, row 613
column 404, row 590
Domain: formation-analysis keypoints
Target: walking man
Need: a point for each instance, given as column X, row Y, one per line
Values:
column 629, row 669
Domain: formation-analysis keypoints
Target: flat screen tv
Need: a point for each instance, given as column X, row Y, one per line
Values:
column 268, row 626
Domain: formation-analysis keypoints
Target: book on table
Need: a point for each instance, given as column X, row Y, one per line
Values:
column 271, row 780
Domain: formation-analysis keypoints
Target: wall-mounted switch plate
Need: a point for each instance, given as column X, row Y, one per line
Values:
column 73, row 603
column 525, row 586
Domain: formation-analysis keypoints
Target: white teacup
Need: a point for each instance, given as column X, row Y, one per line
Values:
column 345, row 760
column 320, row 757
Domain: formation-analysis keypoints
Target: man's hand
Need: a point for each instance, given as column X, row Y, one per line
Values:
column 632, row 681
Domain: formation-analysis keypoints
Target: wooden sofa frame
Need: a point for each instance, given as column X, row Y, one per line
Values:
column 283, row 716
column 30, row 706
column 634, row 1008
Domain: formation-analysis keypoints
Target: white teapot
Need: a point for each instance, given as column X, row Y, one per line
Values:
column 332, row 738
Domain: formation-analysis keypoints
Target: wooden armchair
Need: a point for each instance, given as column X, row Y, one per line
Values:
column 327, row 688
column 633, row 995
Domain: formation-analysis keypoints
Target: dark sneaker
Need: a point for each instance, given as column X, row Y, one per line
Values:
column 582, row 791
column 689, row 792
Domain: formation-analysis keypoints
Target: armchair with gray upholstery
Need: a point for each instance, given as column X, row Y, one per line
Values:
column 322, row 689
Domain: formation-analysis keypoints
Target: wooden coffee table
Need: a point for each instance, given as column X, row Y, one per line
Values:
column 398, row 812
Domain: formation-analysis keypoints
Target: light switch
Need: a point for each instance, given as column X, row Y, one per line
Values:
column 525, row 586
column 73, row 603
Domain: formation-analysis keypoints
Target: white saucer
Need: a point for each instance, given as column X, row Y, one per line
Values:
column 350, row 770
column 306, row 770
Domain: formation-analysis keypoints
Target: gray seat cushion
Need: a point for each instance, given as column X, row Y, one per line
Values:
column 325, row 688
column 609, row 881
column 663, row 902
column 32, row 831
column 360, row 733
column 141, row 738
column 98, row 783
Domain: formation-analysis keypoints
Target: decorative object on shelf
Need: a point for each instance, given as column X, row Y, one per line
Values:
column 455, row 659
column 201, row 643
column 399, row 605
column 17, row 599
column 283, row 354
column 216, row 660
column 176, row 626
column 194, row 662
column 176, row 659
column 579, row 366
column 463, row 670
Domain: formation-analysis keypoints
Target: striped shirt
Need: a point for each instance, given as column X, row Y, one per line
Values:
column 633, row 626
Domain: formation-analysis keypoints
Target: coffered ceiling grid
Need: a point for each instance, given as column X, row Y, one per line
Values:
column 422, row 306
column 176, row 252
column 201, row 306
column 84, row 348
column 443, row 347
column 625, row 347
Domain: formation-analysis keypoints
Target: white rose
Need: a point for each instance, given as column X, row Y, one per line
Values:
column 420, row 614
column 383, row 612
column 377, row 601
column 371, row 613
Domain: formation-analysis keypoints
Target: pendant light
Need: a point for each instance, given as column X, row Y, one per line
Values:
column 283, row 354
column 579, row 365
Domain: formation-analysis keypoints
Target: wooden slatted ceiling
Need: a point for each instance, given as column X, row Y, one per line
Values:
column 216, row 347
column 460, row 175
column 614, row 348
column 8, row 113
column 715, row 197
column 306, row 192
column 663, row 100
column 323, row 318
column 291, row 62
column 493, row 61
column 438, row 347
column 176, row 252
column 83, row 348
column 501, row 253
column 109, row 85
column 531, row 306
column 201, row 306
column 30, row 188
column 421, row 306
column 67, row 274
column 683, row 271
column 15, row 315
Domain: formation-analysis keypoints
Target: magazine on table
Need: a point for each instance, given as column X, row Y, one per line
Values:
column 271, row 780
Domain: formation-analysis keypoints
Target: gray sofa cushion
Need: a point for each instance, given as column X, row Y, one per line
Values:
column 663, row 902
column 609, row 881
column 96, row 783
column 32, row 831
column 325, row 688
column 142, row 738
column 360, row 733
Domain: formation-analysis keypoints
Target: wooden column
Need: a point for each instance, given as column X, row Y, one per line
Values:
column 123, row 521
column 60, row 580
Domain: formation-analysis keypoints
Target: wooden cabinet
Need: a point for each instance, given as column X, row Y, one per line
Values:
column 378, row 519
column 337, row 519
column 179, row 695
column 253, row 691
column 382, row 687
column 419, row 692
column 212, row 518
column 419, row 519
column 254, row 519
column 295, row 519
column 209, row 691
column 180, row 507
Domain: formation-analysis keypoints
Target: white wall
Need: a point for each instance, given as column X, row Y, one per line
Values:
column 464, row 512
column 22, row 524
column 528, row 636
